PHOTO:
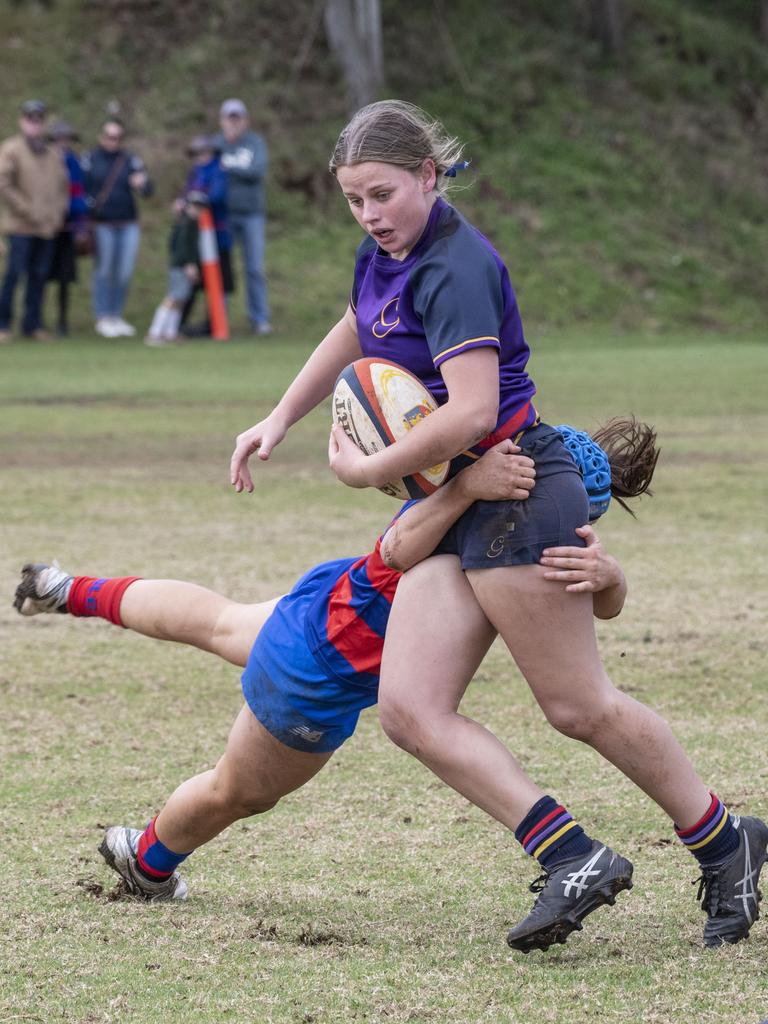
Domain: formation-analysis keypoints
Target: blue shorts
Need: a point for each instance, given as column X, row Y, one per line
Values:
column 288, row 689
column 500, row 533
column 179, row 286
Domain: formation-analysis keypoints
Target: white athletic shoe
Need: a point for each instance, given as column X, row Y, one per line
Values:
column 106, row 326
column 118, row 848
column 122, row 328
column 43, row 588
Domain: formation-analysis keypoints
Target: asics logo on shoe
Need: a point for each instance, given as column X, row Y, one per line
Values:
column 747, row 886
column 576, row 882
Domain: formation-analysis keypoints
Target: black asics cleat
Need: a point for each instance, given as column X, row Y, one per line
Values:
column 571, row 891
column 43, row 588
column 728, row 892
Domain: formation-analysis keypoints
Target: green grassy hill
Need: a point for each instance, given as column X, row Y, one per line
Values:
column 626, row 192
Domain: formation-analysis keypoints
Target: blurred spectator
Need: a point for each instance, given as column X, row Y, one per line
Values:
column 183, row 271
column 35, row 190
column 244, row 158
column 64, row 263
column 112, row 175
column 208, row 176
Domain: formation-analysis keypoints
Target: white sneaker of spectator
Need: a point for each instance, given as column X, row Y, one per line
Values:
column 122, row 328
column 106, row 327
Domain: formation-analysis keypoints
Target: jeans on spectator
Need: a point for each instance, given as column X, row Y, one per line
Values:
column 30, row 255
column 116, row 248
column 248, row 230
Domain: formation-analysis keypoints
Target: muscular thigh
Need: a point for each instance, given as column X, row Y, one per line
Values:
column 436, row 638
column 258, row 766
column 549, row 632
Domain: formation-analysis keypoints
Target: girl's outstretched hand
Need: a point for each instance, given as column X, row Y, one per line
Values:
column 259, row 439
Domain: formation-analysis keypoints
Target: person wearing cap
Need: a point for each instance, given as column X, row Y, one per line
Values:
column 113, row 177
column 183, row 270
column 244, row 157
column 207, row 175
column 34, row 189
column 64, row 262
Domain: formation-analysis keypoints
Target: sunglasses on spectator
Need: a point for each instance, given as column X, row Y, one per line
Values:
column 37, row 118
column 111, row 137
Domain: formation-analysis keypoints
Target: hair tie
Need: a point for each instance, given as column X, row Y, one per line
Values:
column 453, row 170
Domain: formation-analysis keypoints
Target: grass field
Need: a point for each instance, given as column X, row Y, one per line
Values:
column 375, row 894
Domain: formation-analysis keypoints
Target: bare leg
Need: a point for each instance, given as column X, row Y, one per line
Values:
column 424, row 674
column 254, row 773
column 550, row 634
column 189, row 614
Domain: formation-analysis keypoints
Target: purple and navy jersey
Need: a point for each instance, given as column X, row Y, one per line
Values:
column 347, row 620
column 450, row 294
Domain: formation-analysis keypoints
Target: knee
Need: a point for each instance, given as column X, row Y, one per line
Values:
column 405, row 726
column 246, row 805
column 582, row 720
column 242, row 802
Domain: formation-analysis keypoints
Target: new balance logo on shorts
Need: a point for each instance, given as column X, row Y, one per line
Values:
column 310, row 735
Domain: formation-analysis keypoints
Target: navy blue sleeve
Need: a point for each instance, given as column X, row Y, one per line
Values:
column 457, row 293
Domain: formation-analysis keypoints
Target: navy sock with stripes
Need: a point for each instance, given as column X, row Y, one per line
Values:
column 713, row 838
column 550, row 834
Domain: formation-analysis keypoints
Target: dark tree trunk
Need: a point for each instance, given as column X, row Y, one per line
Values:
column 607, row 18
column 763, row 27
column 353, row 28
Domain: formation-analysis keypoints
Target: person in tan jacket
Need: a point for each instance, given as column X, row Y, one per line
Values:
column 34, row 190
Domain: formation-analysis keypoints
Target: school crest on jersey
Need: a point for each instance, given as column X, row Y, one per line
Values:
column 389, row 318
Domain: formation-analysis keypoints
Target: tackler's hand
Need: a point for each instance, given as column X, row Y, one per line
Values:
column 589, row 569
column 502, row 474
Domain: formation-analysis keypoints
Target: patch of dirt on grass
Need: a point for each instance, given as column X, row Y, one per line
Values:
column 95, row 889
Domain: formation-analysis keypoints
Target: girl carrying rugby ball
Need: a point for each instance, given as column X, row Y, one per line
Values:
column 431, row 293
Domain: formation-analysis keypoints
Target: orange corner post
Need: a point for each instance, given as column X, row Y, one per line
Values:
column 212, row 282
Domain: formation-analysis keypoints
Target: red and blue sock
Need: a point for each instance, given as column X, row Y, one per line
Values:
column 550, row 834
column 713, row 838
column 154, row 859
column 90, row 595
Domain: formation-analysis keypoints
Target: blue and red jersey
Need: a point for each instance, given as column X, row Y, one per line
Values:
column 347, row 620
column 450, row 294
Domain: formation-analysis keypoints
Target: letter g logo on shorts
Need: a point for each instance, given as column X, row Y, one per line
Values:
column 496, row 548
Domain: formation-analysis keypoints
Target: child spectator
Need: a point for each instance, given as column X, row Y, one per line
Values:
column 64, row 262
column 207, row 175
column 183, row 272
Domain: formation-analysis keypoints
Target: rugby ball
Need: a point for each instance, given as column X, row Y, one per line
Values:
column 376, row 402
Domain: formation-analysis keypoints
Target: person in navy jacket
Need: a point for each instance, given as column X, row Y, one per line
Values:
column 113, row 177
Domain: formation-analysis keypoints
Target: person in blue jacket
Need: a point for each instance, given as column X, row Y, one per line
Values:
column 244, row 157
column 64, row 261
column 208, row 176
column 113, row 176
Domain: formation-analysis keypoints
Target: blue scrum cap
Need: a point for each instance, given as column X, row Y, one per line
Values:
column 594, row 468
